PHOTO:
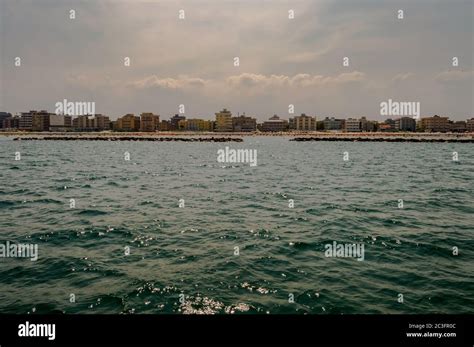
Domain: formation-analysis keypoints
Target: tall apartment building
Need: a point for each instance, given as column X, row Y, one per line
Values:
column 45, row 121
column 25, row 122
column 244, row 124
column 11, row 122
column 4, row 115
column 175, row 120
column 305, row 122
column 435, row 124
column 99, row 122
column 224, row 121
column 405, row 124
column 149, row 122
column 81, row 123
column 40, row 122
column 129, row 122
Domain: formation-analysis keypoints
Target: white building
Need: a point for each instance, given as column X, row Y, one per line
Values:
column 352, row 125
column 305, row 122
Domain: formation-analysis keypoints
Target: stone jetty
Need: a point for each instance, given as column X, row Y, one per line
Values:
column 461, row 139
column 128, row 138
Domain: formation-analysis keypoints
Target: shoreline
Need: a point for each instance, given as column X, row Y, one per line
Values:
column 238, row 137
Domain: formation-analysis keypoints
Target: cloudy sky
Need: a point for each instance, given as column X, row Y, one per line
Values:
column 282, row 61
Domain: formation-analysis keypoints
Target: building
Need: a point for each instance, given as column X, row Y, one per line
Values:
column 352, row 125
column 26, row 120
column 435, row 124
column 319, row 125
column 244, row 124
column 40, row 122
column 149, row 122
column 372, row 125
column 3, row 116
column 68, row 122
column 182, row 124
column 305, row 123
column 59, row 122
column 405, row 124
column 11, row 122
column 99, row 123
column 129, row 122
column 363, row 124
column 196, row 125
column 291, row 124
column 470, row 125
column 275, row 124
column 81, row 123
column 165, row 125
column 388, row 125
column 45, row 121
column 333, row 124
column 224, row 121
column 359, row 125
column 458, row 126
column 175, row 120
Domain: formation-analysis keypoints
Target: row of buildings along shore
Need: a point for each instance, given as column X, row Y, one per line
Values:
column 224, row 122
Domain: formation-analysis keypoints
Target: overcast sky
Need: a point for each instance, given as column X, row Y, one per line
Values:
column 282, row 61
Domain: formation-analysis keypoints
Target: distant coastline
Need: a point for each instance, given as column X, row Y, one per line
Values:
column 189, row 136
